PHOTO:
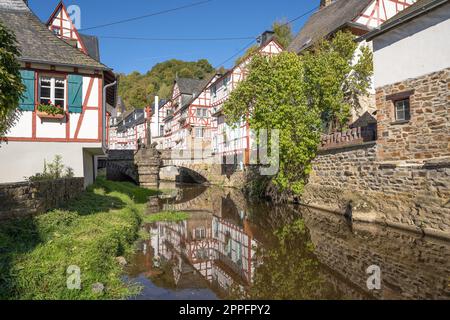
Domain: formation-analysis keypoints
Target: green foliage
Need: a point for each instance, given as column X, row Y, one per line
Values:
column 273, row 97
column 300, row 95
column 283, row 32
column 136, row 89
column 53, row 170
column 90, row 232
column 51, row 109
column 168, row 216
column 11, row 87
column 289, row 270
column 334, row 82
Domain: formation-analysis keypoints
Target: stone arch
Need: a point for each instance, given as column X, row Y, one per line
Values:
column 186, row 174
column 121, row 172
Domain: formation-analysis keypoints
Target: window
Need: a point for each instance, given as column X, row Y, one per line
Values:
column 225, row 83
column 161, row 130
column 52, row 90
column 202, row 112
column 214, row 91
column 200, row 233
column 56, row 30
column 402, row 112
column 199, row 132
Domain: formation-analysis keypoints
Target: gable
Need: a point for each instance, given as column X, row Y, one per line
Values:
column 380, row 11
column 361, row 14
column 62, row 26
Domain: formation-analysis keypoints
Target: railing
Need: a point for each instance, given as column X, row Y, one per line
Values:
column 349, row 137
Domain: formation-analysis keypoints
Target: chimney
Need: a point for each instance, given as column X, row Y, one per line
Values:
column 325, row 3
column 266, row 36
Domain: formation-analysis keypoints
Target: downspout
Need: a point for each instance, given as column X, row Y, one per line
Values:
column 104, row 115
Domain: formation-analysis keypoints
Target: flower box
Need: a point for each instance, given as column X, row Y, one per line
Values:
column 50, row 111
column 45, row 115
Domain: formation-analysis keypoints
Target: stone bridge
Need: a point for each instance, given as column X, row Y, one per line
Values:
column 148, row 165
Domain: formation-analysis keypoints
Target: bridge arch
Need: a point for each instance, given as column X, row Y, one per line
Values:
column 181, row 174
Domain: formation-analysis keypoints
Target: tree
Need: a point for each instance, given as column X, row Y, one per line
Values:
column 11, row 87
column 136, row 88
column 273, row 97
column 283, row 32
column 337, row 73
column 299, row 95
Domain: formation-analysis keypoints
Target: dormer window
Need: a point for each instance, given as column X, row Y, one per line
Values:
column 56, row 31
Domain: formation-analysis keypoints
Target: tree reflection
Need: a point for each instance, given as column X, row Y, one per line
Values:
column 288, row 270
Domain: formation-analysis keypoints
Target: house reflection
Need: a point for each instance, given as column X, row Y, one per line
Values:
column 216, row 243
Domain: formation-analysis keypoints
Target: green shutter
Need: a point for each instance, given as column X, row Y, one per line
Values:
column 27, row 99
column 75, row 83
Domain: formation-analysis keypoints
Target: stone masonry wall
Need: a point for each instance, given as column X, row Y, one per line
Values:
column 427, row 134
column 30, row 198
column 410, row 196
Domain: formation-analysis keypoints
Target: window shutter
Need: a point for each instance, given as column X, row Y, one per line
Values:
column 27, row 100
column 75, row 84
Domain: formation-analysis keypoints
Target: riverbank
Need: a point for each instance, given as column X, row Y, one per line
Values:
column 90, row 232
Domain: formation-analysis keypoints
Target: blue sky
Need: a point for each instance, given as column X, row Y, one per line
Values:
column 230, row 18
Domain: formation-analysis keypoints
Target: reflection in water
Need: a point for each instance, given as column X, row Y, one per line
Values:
column 233, row 248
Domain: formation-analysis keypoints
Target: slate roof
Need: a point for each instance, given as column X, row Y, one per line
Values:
column 327, row 21
column 37, row 43
column 363, row 121
column 188, row 99
column 91, row 44
column 418, row 8
column 188, row 86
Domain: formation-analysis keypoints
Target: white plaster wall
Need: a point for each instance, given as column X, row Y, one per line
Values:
column 23, row 126
column 93, row 98
column 414, row 49
column 24, row 159
column 50, row 128
column 89, row 127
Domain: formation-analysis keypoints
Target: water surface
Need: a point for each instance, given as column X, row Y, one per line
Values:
column 232, row 248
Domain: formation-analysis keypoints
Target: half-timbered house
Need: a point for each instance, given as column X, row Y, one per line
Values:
column 234, row 142
column 56, row 72
column 187, row 115
column 356, row 16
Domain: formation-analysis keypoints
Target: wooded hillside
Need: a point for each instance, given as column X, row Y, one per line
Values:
column 137, row 90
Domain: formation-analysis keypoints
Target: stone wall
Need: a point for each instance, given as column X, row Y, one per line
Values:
column 427, row 134
column 406, row 195
column 30, row 198
column 412, row 267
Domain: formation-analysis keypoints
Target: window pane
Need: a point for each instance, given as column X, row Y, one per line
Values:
column 44, row 101
column 45, row 92
column 59, row 82
column 59, row 102
column 45, row 81
column 59, row 93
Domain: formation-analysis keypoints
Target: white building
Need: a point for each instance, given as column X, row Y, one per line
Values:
column 57, row 68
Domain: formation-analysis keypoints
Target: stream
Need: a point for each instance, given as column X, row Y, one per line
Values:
column 233, row 248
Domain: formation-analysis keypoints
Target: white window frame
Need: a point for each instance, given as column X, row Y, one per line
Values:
column 402, row 106
column 197, row 130
column 53, row 88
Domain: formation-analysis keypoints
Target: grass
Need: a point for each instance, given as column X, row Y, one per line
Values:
column 89, row 232
column 167, row 216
